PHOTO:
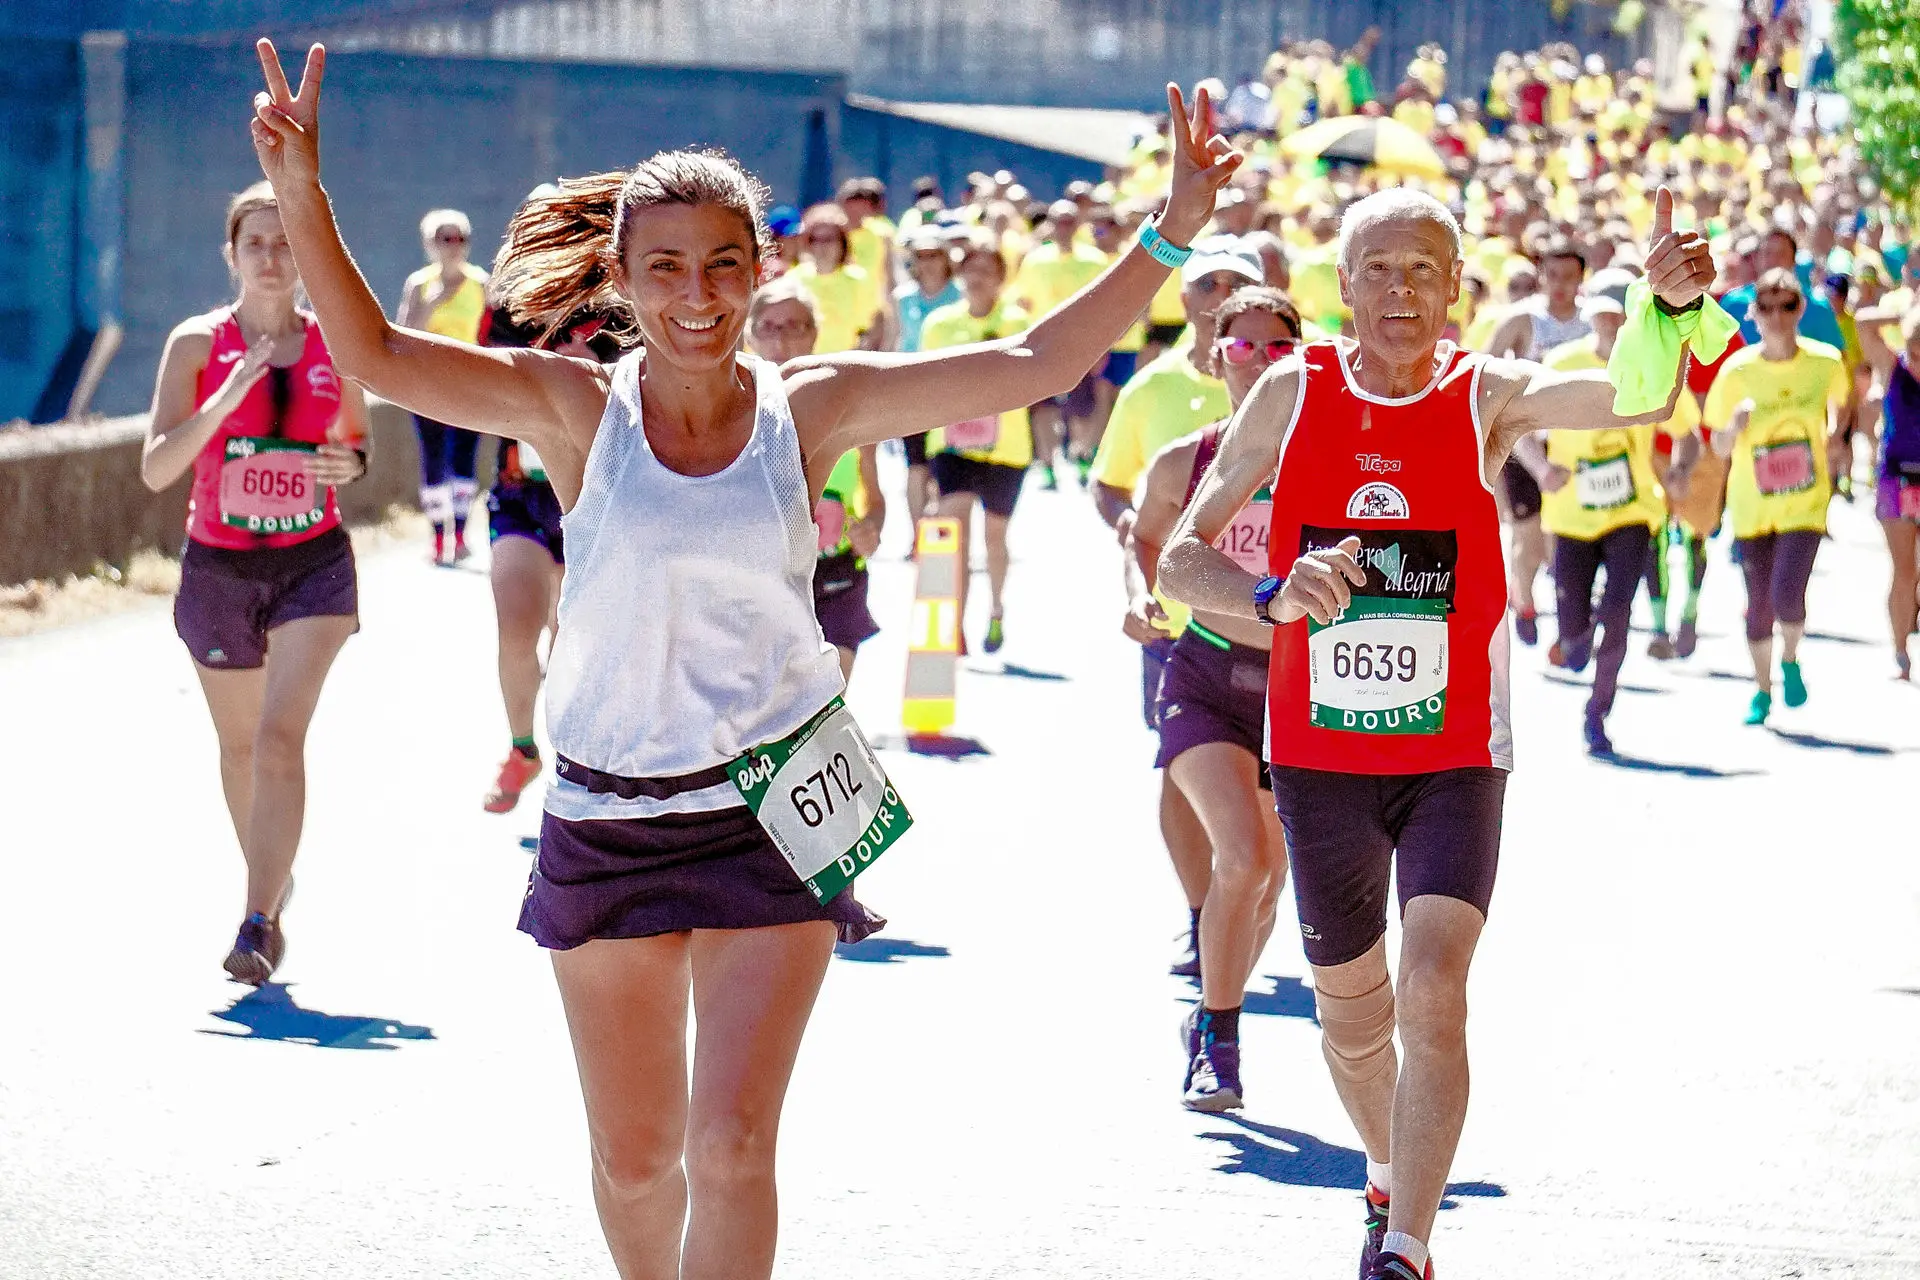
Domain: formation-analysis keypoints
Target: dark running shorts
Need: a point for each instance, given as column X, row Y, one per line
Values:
column 840, row 601
column 1164, row 335
column 1210, row 694
column 1119, row 367
column 528, row 510
column 230, row 600
column 1523, row 491
column 1153, row 666
column 1346, row 830
column 1077, row 403
column 916, row 447
column 639, row 877
column 994, row 483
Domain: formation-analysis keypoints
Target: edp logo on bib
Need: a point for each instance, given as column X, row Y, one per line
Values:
column 1377, row 500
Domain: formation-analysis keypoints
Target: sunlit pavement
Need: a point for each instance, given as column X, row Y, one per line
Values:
column 1696, row 1010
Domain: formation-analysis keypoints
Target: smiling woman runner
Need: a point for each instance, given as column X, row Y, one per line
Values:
column 248, row 400
column 693, row 705
column 1213, row 706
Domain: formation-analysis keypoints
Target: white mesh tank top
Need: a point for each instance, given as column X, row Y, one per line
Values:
column 687, row 631
column 1549, row 332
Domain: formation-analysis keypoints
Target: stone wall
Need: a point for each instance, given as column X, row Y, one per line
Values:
column 71, row 495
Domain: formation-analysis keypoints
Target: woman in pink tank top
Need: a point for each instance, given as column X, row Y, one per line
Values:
column 248, row 401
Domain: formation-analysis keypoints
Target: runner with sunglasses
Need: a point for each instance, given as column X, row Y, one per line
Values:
column 1213, row 708
column 1897, row 474
column 448, row 296
column 247, row 399
column 1774, row 411
column 1174, row 395
column 982, row 460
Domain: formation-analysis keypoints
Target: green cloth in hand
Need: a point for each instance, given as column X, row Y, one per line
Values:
column 1646, row 355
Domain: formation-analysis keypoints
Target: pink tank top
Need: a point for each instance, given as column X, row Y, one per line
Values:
column 250, row 485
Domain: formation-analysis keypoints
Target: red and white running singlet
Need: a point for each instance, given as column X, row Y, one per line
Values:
column 1412, row 677
column 250, row 482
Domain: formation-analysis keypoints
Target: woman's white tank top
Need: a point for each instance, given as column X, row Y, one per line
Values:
column 687, row 630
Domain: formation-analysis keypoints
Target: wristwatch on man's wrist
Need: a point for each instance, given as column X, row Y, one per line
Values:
column 1264, row 592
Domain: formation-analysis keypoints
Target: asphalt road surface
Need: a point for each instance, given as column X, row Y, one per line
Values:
column 1696, row 1010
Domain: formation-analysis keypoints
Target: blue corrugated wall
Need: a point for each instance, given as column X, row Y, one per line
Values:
column 39, row 193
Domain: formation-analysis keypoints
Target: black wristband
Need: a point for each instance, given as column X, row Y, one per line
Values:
column 1666, row 309
column 365, row 465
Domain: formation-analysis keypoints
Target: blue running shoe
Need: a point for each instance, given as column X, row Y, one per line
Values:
column 1527, row 627
column 1394, row 1267
column 256, row 951
column 1213, row 1077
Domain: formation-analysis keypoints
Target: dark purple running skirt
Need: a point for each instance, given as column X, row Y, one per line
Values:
column 638, row 877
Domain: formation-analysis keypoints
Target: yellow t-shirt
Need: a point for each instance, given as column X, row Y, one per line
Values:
column 1050, row 276
column 847, row 301
column 460, row 314
column 1777, row 480
column 868, row 243
column 1315, row 287
column 1168, row 307
column 1164, row 401
column 955, row 326
column 1613, row 484
column 1416, row 114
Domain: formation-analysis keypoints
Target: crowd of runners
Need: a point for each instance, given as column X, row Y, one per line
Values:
column 1338, row 414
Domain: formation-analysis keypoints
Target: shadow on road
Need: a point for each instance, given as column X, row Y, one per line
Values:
column 1820, row 743
column 270, row 1013
column 1639, row 764
column 1830, row 638
column 887, row 951
column 942, row 745
column 1297, row 1159
column 1018, row 672
column 1290, row 998
column 1555, row 677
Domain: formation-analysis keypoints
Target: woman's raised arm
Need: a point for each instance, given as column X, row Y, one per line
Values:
column 843, row 401
column 528, row 395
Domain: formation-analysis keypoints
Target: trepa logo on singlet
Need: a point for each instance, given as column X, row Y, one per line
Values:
column 1378, row 500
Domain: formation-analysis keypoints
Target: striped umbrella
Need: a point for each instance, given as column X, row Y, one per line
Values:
column 1379, row 141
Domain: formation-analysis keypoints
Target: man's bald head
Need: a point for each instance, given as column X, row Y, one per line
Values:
column 1394, row 205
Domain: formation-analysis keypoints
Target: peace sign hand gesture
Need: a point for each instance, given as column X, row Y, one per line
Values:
column 286, row 125
column 1203, row 161
column 1679, row 263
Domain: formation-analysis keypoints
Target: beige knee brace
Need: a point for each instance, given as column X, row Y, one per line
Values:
column 1356, row 1032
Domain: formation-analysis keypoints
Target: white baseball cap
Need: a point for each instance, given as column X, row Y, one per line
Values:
column 1222, row 253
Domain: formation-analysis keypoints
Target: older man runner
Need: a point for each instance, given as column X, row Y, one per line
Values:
column 1387, row 724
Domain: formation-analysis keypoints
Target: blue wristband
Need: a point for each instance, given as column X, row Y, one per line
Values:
column 1163, row 250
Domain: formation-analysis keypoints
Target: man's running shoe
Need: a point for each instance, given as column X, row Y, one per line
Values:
column 1660, row 648
column 1792, row 686
column 516, row 771
column 1047, row 479
column 1392, row 1266
column 257, row 951
column 1213, row 1077
column 1377, row 1204
column 1903, row 667
column 461, row 552
column 1760, row 707
column 996, row 636
column 1527, row 627
column 1084, row 466
column 1689, row 637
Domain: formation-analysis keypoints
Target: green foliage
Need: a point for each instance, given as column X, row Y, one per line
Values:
column 1878, row 48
